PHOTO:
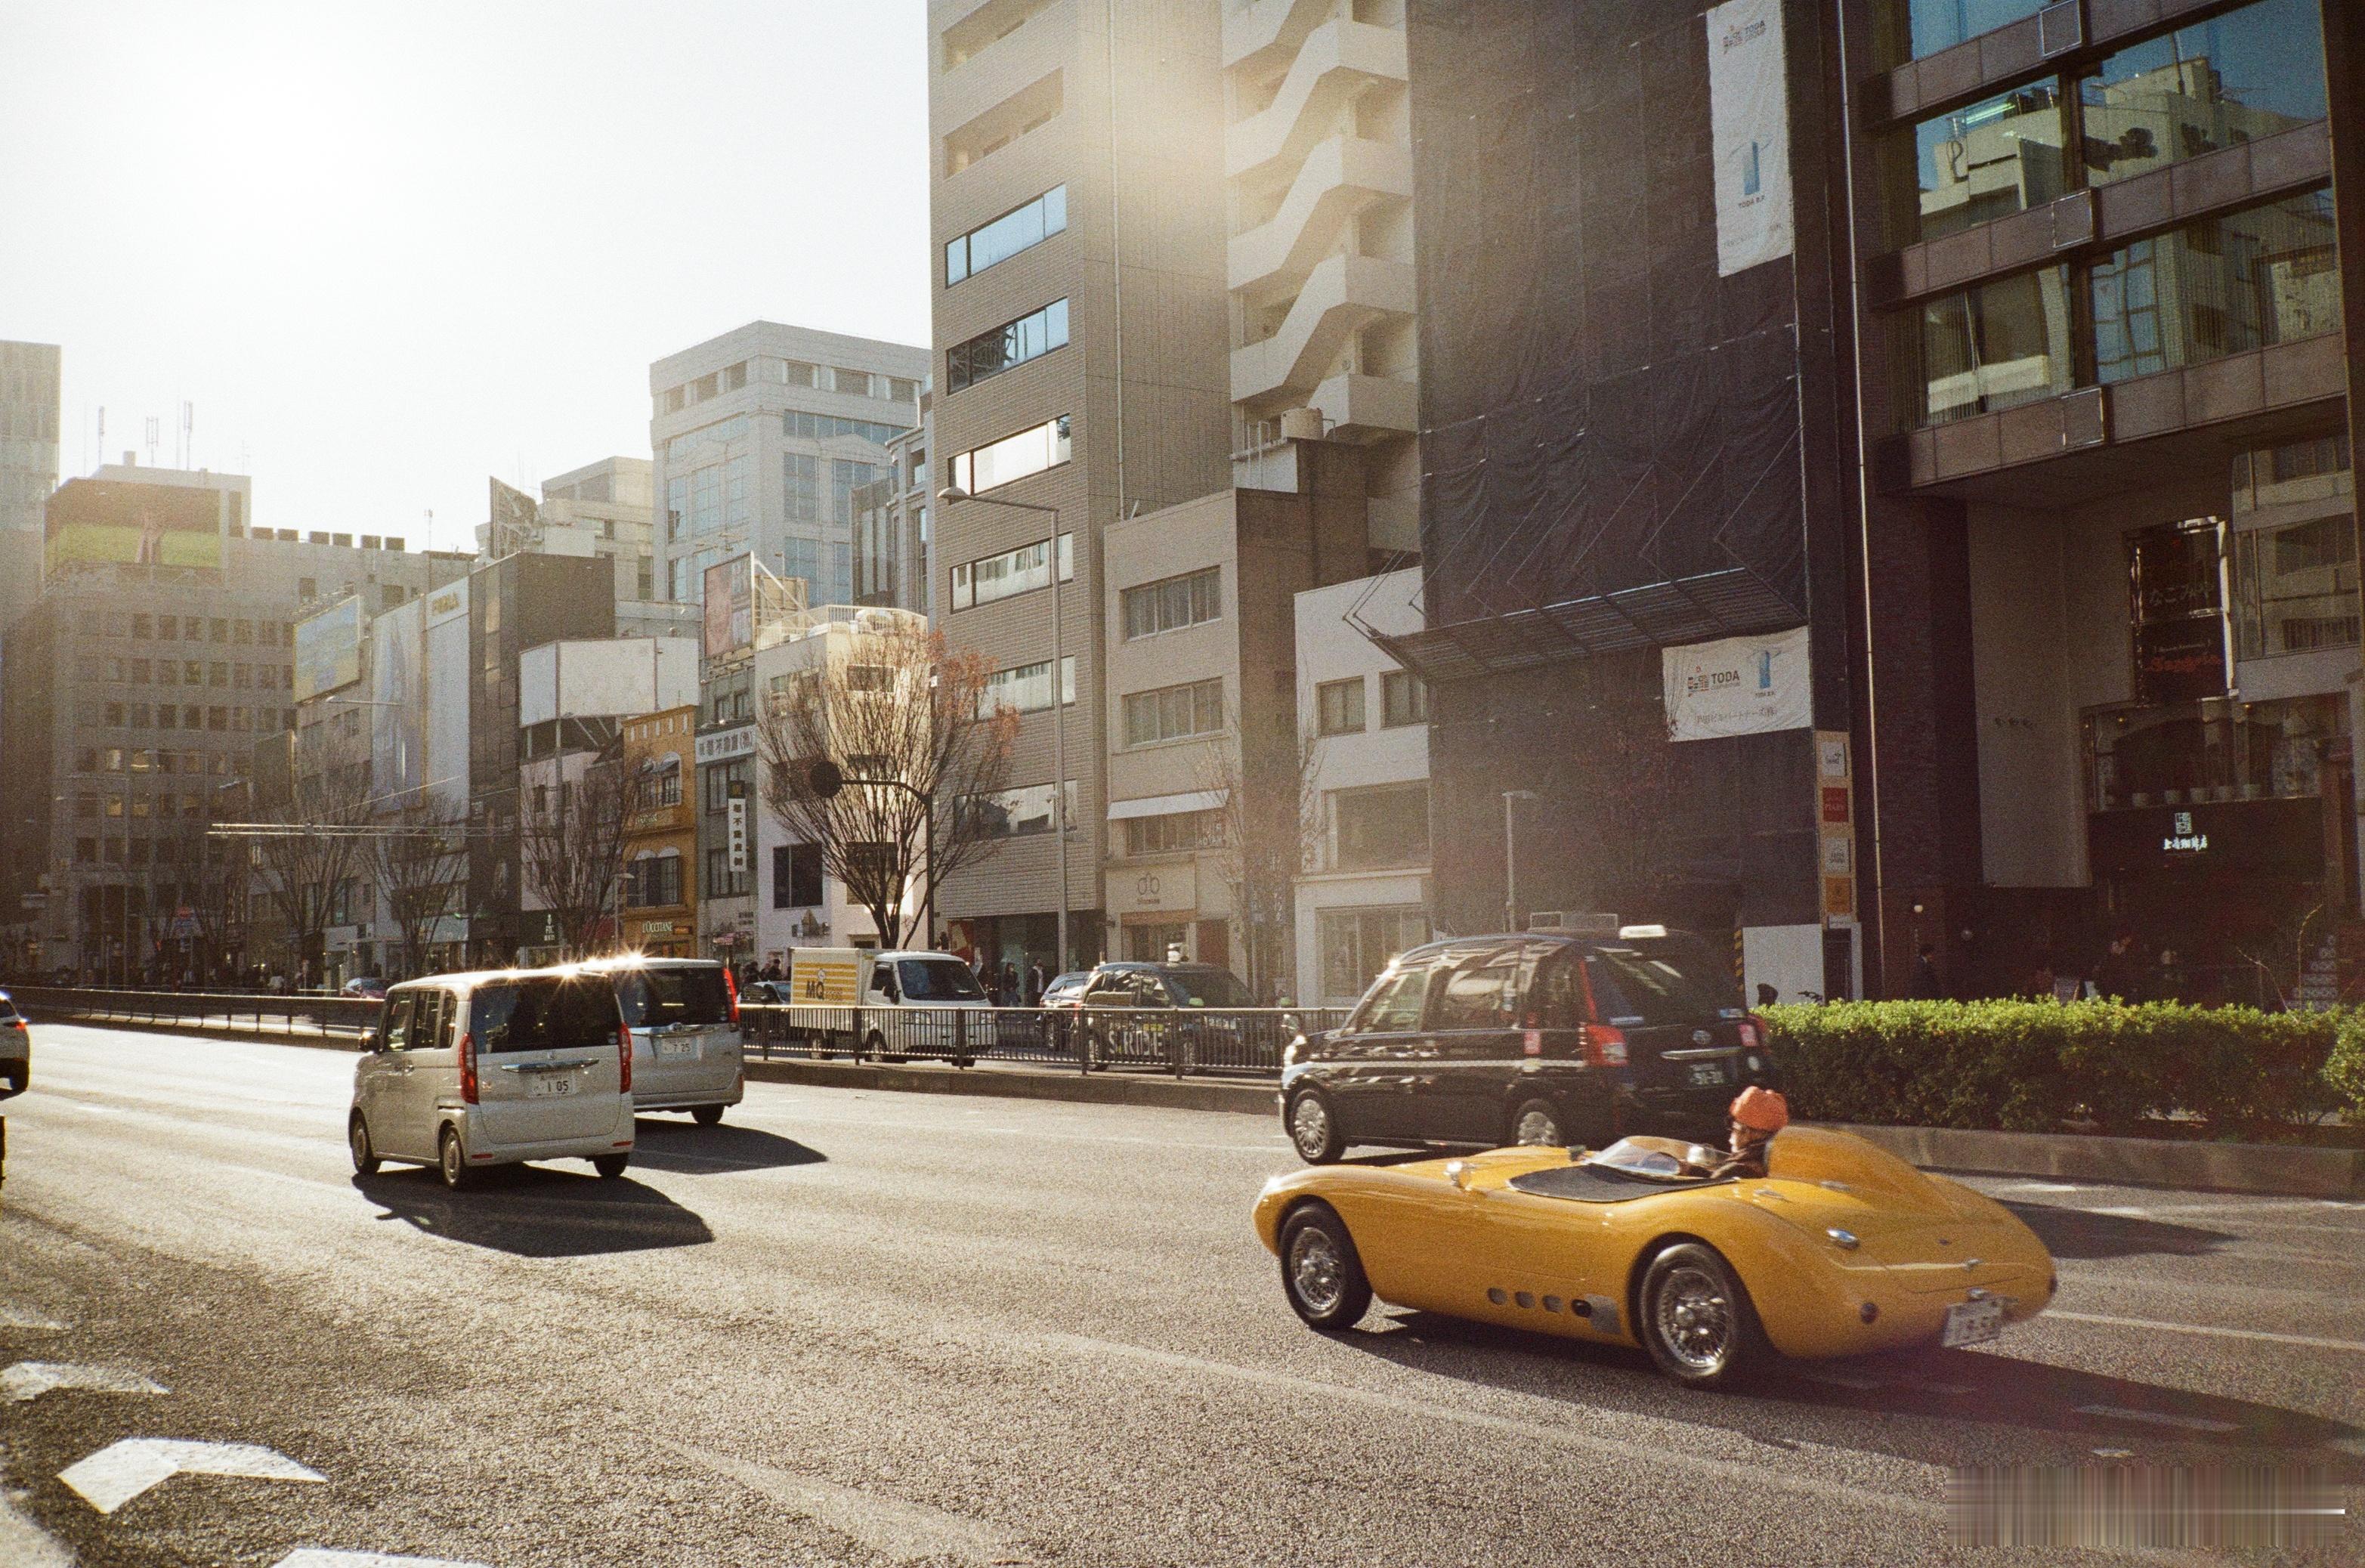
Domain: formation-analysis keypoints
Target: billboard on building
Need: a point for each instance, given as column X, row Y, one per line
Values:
column 444, row 697
column 329, row 650
column 95, row 520
column 398, row 650
column 729, row 598
column 1749, row 125
column 1739, row 686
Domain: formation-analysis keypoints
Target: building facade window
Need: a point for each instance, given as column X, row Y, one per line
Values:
column 1380, row 827
column 1014, row 457
column 1022, row 813
column 1030, row 337
column 1929, row 26
column 1189, row 600
column 1174, row 712
column 1356, row 945
column 1339, row 707
column 2224, row 286
column 1004, row 237
column 2002, row 155
column 990, row 578
column 796, row 875
column 820, row 427
column 1995, row 346
column 2201, row 88
column 656, row 881
column 1404, row 698
column 1173, row 833
column 1027, row 689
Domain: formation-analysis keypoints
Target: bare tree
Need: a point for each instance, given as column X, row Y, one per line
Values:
column 308, row 844
column 571, row 839
column 1271, row 823
column 923, row 756
column 421, row 855
column 211, row 880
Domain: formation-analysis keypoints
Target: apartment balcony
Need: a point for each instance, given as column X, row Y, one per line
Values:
column 1339, row 60
column 1340, row 178
column 1359, row 407
column 1261, row 36
column 1342, row 296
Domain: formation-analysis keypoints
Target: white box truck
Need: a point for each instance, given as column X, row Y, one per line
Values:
column 889, row 1005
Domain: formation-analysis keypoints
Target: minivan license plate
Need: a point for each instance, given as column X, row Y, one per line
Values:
column 1706, row 1072
column 544, row 1085
column 669, row 1050
column 1972, row 1323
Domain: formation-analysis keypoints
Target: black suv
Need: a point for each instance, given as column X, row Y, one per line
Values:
column 1539, row 1038
column 1174, row 1015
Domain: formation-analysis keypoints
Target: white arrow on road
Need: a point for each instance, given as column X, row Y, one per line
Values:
column 121, row 1471
column 31, row 1380
column 320, row 1557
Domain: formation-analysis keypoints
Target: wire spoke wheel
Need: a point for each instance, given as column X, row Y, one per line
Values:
column 1317, row 1269
column 1695, row 1319
column 1309, row 1125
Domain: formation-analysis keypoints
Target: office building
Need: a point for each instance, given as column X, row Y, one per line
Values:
column 660, row 892
column 29, row 434
column 1890, row 476
column 891, row 537
column 761, row 437
column 1076, row 191
column 602, row 509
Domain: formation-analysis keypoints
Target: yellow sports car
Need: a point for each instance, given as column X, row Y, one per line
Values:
column 1840, row 1249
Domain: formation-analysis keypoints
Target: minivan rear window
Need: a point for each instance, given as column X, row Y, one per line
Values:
column 545, row 1013
column 1630, row 987
column 653, row 998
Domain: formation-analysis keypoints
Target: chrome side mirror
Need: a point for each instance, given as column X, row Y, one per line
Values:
column 1458, row 1172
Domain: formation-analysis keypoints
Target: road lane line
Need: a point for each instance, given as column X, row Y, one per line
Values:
column 321, row 1557
column 895, row 1527
column 30, row 1380
column 2208, row 1330
column 1646, row 1456
column 121, row 1471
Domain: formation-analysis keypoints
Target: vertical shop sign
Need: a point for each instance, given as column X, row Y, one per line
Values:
column 1835, row 825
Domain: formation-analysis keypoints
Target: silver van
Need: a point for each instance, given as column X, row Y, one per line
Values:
column 686, row 1053
column 497, row 1068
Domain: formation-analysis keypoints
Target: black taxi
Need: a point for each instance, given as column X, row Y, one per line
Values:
column 1533, row 1037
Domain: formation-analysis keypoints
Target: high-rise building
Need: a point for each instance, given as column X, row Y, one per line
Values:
column 1076, row 191
column 892, row 541
column 761, row 437
column 28, row 433
column 1890, row 478
column 1317, row 164
column 601, row 509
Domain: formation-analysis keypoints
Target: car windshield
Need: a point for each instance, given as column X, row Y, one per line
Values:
column 937, row 979
column 1632, row 987
column 653, row 998
column 544, row 1013
column 1208, row 988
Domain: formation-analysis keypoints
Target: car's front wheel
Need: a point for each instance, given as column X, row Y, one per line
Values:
column 451, row 1161
column 1536, row 1123
column 1314, row 1129
column 707, row 1115
column 1697, row 1321
column 1320, row 1270
column 611, row 1166
column 365, row 1162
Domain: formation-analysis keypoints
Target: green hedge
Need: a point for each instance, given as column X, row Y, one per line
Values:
column 2033, row 1066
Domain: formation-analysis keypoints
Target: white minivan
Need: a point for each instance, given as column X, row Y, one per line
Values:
column 469, row 1071
column 684, row 1016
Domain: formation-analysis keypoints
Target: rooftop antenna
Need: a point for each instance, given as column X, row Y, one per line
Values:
column 155, row 426
column 102, row 437
column 188, row 443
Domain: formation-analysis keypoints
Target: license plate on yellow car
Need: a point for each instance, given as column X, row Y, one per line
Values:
column 544, row 1085
column 1972, row 1323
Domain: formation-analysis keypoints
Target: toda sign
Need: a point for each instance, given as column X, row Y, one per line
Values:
column 1749, row 125
column 1741, row 685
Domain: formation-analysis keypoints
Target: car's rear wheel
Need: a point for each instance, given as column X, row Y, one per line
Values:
column 451, row 1161
column 357, row 1137
column 1536, row 1123
column 1321, row 1271
column 1696, row 1318
column 610, row 1166
column 707, row 1115
column 1314, row 1129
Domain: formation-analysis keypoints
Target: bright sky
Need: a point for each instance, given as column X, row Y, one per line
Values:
column 388, row 250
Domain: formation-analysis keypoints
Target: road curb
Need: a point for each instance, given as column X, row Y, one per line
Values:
column 2283, row 1169
column 1090, row 1089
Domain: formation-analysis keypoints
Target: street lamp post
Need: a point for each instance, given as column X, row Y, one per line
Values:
column 1511, row 857
column 949, row 494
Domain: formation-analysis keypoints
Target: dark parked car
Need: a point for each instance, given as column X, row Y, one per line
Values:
column 1539, row 1038
column 1138, row 1013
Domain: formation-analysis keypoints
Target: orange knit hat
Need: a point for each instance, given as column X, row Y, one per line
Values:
column 1761, row 1110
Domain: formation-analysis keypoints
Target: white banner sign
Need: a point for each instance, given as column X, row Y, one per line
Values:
column 1741, row 686
column 1749, row 120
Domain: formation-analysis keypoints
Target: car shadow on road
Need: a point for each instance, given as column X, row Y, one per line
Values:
column 2085, row 1234
column 1952, row 1388
column 535, row 1211
column 676, row 1143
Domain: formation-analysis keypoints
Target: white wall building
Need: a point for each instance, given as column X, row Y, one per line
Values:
column 1367, row 895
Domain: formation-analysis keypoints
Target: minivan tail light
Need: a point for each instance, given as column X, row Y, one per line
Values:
column 624, row 1058
column 731, row 990
column 1605, row 1047
column 468, row 1068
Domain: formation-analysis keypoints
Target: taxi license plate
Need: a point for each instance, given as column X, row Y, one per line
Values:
column 549, row 1085
column 1972, row 1323
column 1707, row 1073
column 673, row 1050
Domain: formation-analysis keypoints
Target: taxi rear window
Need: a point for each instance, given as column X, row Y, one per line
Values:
column 1633, row 987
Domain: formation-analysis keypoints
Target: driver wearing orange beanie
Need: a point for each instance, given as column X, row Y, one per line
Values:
column 1755, row 1115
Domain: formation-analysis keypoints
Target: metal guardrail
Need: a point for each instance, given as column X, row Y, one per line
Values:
column 1237, row 1042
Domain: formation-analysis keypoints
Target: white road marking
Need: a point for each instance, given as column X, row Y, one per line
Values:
column 31, row 1380
column 2040, row 1187
column 24, row 1544
column 321, row 1557
column 1646, row 1456
column 2208, row 1330
column 2112, row 1453
column 2157, row 1418
column 121, row 1471
column 15, row 1316
column 897, row 1529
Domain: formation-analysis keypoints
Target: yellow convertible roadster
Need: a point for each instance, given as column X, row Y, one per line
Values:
column 1840, row 1249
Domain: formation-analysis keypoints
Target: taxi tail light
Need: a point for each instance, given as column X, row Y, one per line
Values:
column 730, row 991
column 624, row 1057
column 1752, row 1033
column 1605, row 1047
column 468, row 1068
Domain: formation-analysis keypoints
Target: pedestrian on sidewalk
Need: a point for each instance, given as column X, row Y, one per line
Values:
column 1927, row 984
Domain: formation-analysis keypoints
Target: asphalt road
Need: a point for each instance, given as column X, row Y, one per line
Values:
column 859, row 1327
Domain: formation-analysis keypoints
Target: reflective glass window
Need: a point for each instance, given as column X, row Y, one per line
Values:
column 1942, row 24
column 2222, row 286
column 1995, row 346
column 2204, row 88
column 1987, row 160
